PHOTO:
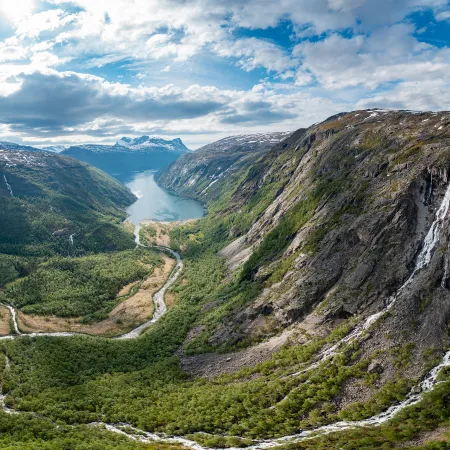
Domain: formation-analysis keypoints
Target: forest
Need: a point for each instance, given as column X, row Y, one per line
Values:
column 79, row 287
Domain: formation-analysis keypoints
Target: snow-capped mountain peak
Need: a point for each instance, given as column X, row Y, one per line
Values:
column 152, row 143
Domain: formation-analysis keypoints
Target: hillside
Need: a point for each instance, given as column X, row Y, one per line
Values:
column 56, row 205
column 345, row 202
column 12, row 146
column 129, row 155
column 202, row 174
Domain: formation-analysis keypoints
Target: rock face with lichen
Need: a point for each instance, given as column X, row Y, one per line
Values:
column 347, row 204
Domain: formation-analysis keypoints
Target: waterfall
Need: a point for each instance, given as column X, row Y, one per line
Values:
column 8, row 186
column 423, row 259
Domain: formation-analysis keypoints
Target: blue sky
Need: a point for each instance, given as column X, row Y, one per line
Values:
column 92, row 71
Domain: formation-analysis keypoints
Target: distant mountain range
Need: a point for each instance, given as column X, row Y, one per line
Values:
column 12, row 146
column 125, row 156
column 129, row 155
column 54, row 148
column 146, row 143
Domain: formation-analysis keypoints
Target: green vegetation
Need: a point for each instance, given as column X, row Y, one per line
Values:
column 87, row 286
column 13, row 267
column 79, row 380
column 431, row 412
column 391, row 392
column 26, row 432
column 57, row 197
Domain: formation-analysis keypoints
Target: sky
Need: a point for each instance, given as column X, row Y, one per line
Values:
column 92, row 71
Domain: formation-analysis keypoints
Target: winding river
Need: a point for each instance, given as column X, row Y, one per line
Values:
column 415, row 395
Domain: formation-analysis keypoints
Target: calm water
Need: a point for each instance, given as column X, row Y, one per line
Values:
column 157, row 203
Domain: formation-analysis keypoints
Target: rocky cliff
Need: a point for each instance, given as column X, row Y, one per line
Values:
column 349, row 204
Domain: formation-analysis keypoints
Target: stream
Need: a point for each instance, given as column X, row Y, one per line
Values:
column 414, row 396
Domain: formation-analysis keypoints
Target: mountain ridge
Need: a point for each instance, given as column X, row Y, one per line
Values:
column 199, row 174
column 129, row 155
column 5, row 145
column 46, row 198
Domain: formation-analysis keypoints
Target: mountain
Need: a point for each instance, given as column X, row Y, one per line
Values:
column 201, row 174
column 46, row 198
column 12, row 146
column 146, row 143
column 54, row 148
column 129, row 155
column 329, row 225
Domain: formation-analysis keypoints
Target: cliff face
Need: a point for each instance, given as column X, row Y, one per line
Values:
column 203, row 174
column 351, row 201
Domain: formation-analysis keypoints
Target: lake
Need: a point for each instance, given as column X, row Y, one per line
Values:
column 157, row 203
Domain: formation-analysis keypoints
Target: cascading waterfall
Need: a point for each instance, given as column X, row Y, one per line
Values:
column 423, row 259
column 8, row 186
column 71, row 239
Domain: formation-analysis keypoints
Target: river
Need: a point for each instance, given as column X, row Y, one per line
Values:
column 157, row 203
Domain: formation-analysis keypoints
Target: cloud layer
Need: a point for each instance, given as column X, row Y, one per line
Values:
column 90, row 71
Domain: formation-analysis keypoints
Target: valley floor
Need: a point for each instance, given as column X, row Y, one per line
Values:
column 136, row 308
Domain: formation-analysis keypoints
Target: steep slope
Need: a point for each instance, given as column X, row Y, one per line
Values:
column 338, row 245
column 129, row 155
column 53, row 204
column 349, row 203
column 202, row 174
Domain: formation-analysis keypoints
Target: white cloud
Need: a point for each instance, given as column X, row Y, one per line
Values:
column 389, row 54
column 12, row 50
column 421, row 96
column 35, row 24
column 252, row 53
column 444, row 15
column 93, row 107
column 379, row 56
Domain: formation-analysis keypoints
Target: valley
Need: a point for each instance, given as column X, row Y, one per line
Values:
column 287, row 326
